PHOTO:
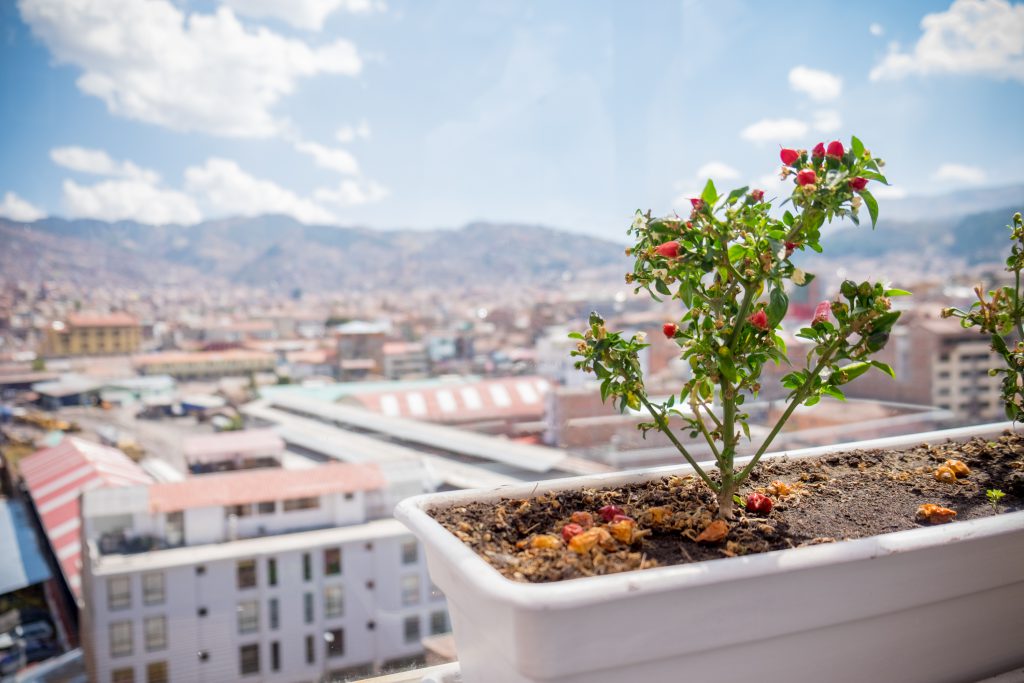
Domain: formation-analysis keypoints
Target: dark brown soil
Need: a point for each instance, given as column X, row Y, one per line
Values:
column 837, row 497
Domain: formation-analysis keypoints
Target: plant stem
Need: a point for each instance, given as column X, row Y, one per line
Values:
column 798, row 398
column 741, row 319
column 694, row 406
column 664, row 426
column 1016, row 304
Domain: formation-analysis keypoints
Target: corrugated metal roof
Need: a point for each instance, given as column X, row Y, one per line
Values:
column 210, row 447
column 23, row 563
column 57, row 476
column 506, row 398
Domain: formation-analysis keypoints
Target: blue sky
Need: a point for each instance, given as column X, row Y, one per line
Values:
column 408, row 113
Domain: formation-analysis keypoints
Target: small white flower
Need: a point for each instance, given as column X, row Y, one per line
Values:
column 640, row 221
column 782, row 253
column 799, row 277
column 641, row 336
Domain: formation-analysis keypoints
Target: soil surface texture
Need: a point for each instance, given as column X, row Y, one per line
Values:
column 671, row 521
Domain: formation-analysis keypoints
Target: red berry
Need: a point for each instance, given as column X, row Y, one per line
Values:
column 697, row 204
column 760, row 503
column 835, row 150
column 608, row 512
column 821, row 312
column 791, row 247
column 806, row 177
column 757, row 195
column 819, row 151
column 670, row 329
column 570, row 530
column 759, row 320
column 668, row 249
column 789, row 156
column 858, row 183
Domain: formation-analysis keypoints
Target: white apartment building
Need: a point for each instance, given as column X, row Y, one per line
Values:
column 261, row 575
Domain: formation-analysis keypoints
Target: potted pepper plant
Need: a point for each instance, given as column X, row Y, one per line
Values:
column 734, row 582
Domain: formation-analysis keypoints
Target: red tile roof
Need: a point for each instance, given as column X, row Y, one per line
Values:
column 98, row 320
column 253, row 486
column 56, row 477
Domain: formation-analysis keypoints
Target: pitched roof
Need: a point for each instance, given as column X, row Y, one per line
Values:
column 56, row 477
column 228, row 444
column 100, row 320
column 510, row 397
column 253, row 486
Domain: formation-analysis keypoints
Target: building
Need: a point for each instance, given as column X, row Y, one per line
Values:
column 939, row 363
column 273, row 575
column 93, row 335
column 405, row 359
column 361, row 349
column 233, row 450
column 185, row 365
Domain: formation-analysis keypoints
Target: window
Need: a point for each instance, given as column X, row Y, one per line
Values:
column 435, row 592
column 156, row 672
column 275, row 656
column 204, row 655
column 307, row 567
column 267, row 507
column 122, row 676
column 411, row 589
column 334, row 601
column 248, row 616
column 412, row 629
column 200, row 570
column 272, row 572
column 119, row 592
column 409, row 552
column 201, row 611
column 120, row 638
column 439, row 623
column 246, row 573
column 332, row 561
column 310, row 650
column 153, row 589
column 301, row 504
column 249, row 659
column 238, row 510
column 307, row 607
column 335, row 640
column 155, row 629
column 273, row 614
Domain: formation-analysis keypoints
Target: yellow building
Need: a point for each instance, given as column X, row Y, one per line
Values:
column 93, row 335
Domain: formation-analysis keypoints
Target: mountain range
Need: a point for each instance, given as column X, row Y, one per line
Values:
column 279, row 252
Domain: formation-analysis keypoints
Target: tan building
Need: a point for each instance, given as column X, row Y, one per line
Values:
column 204, row 364
column 84, row 334
column 938, row 363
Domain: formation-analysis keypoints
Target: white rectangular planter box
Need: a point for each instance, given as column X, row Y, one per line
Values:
column 929, row 605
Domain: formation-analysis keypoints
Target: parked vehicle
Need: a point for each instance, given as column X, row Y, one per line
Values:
column 12, row 654
column 38, row 649
column 34, row 630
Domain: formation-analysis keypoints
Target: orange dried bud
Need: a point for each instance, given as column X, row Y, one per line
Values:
column 545, row 541
column 657, row 515
column 945, row 474
column 584, row 519
column 622, row 529
column 714, row 532
column 960, row 469
column 585, row 542
column 780, row 488
column 931, row 513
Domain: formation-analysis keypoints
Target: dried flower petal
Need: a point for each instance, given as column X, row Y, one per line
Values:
column 945, row 474
column 960, row 469
column 714, row 532
column 931, row 513
column 545, row 541
column 584, row 519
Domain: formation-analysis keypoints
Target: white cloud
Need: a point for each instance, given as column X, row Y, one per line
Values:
column 225, row 188
column 352, row 193
column 347, row 134
column 827, row 120
column 984, row 37
column 148, row 61
column 775, row 130
column 876, row 30
column 331, row 158
column 98, row 162
column 959, row 173
column 18, row 209
column 773, row 185
column 133, row 199
column 881, row 191
column 305, row 14
column 718, row 171
column 821, row 86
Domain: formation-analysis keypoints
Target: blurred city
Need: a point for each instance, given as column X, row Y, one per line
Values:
column 209, row 411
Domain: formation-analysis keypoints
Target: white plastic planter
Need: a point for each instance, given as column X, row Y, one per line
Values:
column 926, row 605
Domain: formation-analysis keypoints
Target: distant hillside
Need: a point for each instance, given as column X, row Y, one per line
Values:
column 278, row 251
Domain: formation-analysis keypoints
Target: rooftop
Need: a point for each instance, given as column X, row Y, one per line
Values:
column 253, row 486
column 102, row 320
column 216, row 446
column 200, row 356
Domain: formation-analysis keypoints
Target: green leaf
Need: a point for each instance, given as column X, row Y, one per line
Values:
column 778, row 304
column 872, row 205
column 884, row 368
column 736, row 194
column 605, row 386
column 746, row 429
column 999, row 345
column 787, row 218
column 897, row 292
column 850, row 372
column 872, row 175
column 662, row 288
column 813, row 400
column 710, row 194
column 728, row 368
column 833, row 392
column 857, row 146
column 575, row 335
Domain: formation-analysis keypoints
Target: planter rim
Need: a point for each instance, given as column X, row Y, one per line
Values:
column 570, row 593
